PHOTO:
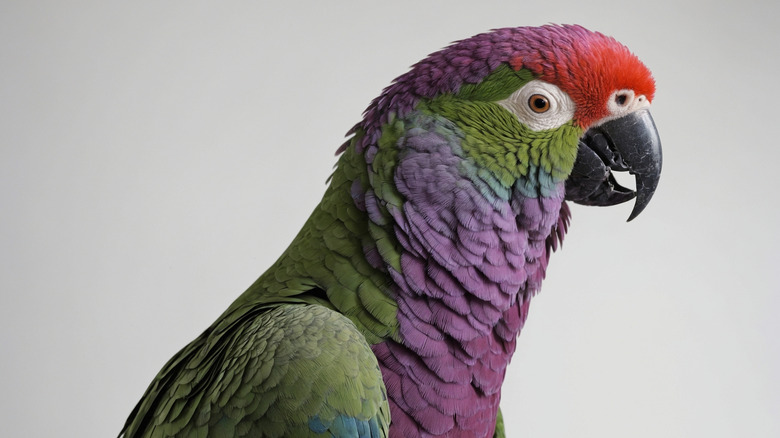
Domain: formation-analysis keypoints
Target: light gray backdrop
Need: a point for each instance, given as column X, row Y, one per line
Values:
column 156, row 157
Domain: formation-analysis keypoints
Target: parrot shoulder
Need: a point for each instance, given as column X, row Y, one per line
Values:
column 274, row 370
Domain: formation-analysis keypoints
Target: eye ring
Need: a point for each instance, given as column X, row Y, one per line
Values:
column 539, row 103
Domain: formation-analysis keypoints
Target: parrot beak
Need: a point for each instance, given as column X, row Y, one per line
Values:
column 630, row 143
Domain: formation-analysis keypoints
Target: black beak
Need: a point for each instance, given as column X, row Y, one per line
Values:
column 630, row 143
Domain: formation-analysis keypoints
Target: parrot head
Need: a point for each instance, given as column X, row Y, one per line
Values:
column 548, row 77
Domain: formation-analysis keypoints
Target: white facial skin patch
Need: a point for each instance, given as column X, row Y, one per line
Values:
column 540, row 105
column 622, row 102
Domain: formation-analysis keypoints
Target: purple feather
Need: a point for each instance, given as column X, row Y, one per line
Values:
column 472, row 253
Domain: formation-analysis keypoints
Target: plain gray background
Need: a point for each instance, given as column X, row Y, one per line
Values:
column 156, row 157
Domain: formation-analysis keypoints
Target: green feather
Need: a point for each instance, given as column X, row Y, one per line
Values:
column 307, row 361
column 296, row 344
column 498, row 85
column 505, row 149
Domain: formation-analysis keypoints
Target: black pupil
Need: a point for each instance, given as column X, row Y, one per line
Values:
column 620, row 99
column 540, row 103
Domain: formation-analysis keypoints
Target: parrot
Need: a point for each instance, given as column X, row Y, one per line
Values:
column 395, row 310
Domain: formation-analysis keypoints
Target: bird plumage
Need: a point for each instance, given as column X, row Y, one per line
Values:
column 403, row 294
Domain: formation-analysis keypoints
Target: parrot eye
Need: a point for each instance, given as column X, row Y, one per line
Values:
column 539, row 103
